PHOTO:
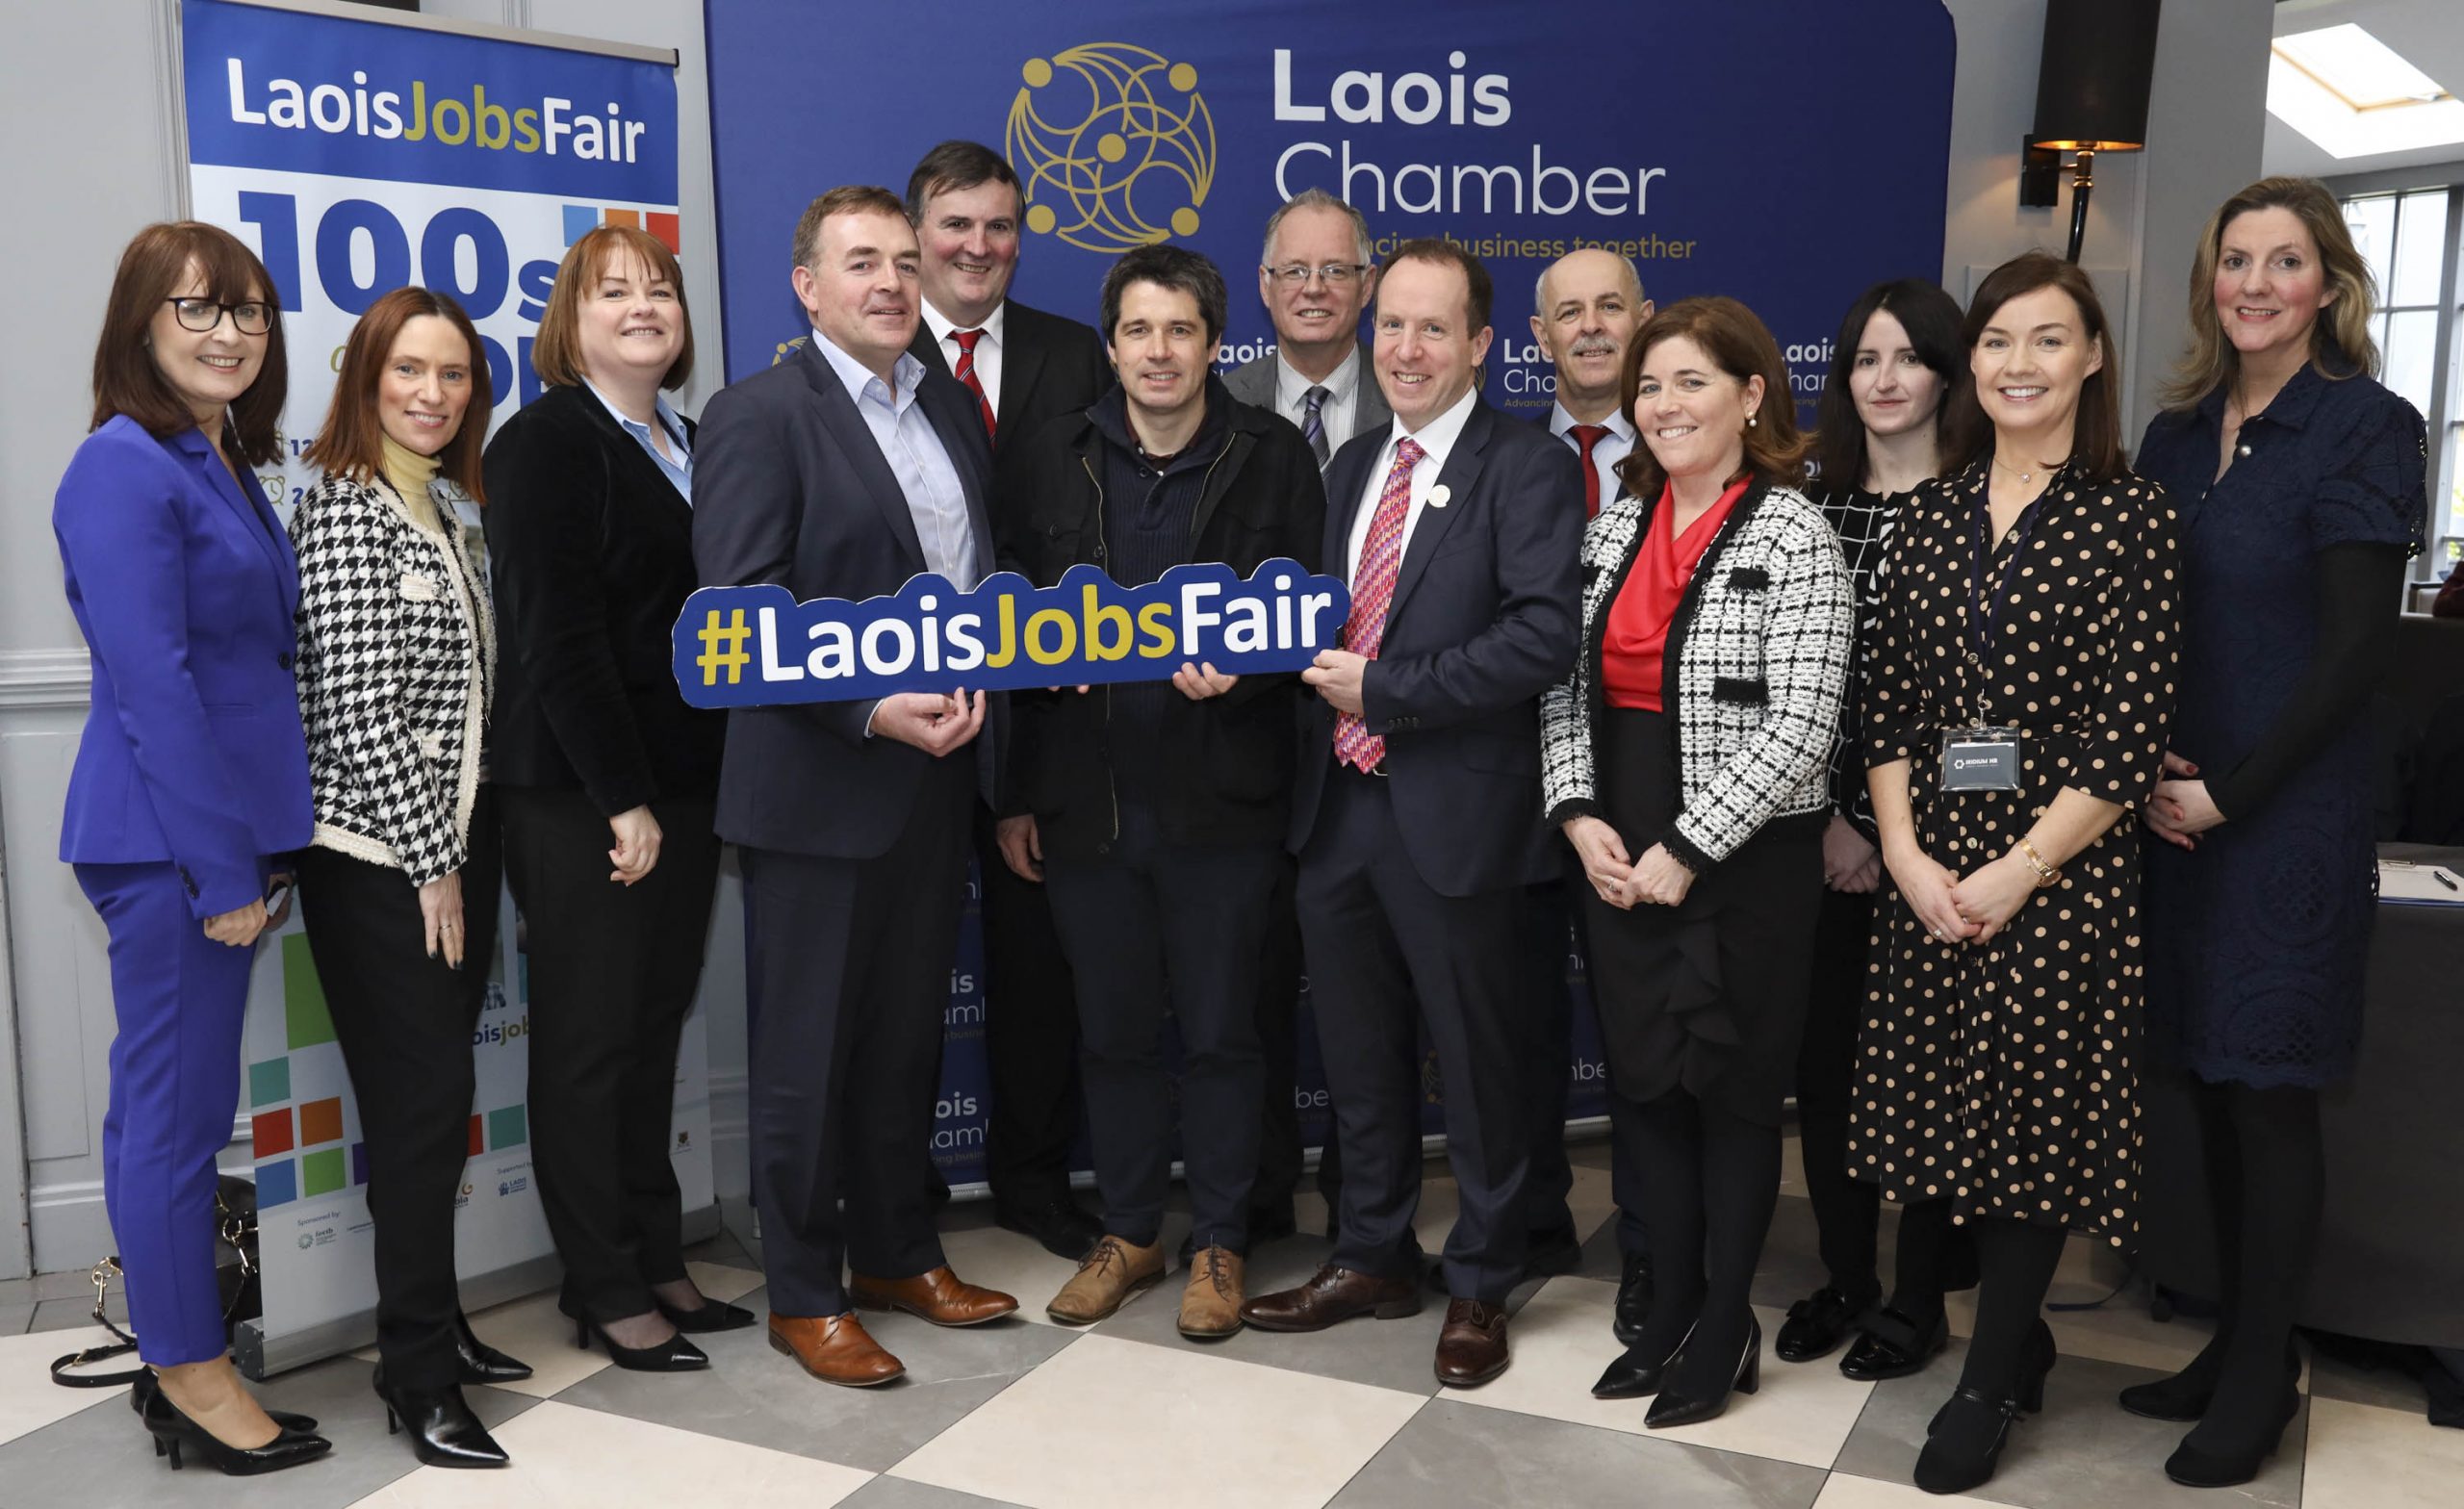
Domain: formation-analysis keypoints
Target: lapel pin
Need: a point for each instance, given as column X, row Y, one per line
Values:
column 1438, row 496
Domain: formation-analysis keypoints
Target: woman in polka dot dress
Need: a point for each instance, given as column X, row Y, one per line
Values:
column 2033, row 592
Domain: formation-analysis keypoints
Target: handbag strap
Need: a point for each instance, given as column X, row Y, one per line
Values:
column 127, row 1344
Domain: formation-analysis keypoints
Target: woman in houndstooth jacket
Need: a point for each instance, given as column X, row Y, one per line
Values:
column 399, row 890
column 1685, row 760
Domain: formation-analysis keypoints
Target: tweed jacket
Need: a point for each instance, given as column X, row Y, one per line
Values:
column 1759, row 648
column 396, row 663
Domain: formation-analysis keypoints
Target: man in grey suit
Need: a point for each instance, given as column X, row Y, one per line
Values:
column 1314, row 280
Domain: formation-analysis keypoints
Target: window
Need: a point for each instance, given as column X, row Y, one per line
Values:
column 2413, row 242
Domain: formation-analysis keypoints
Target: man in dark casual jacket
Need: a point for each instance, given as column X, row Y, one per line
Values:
column 1154, row 812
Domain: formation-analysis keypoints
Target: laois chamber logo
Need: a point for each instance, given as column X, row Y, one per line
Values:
column 1117, row 154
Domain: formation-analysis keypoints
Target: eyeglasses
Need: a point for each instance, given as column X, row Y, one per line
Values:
column 202, row 315
column 1335, row 274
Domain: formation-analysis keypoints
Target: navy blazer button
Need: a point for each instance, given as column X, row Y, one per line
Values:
column 283, row 659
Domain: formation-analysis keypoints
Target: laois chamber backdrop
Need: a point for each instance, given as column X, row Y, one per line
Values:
column 1788, row 153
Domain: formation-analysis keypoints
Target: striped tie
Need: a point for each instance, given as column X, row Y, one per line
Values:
column 1313, row 425
column 1372, row 588
column 966, row 340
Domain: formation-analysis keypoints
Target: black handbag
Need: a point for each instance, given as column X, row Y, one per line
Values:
column 235, row 1272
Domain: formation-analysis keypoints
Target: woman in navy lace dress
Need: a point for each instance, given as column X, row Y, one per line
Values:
column 2299, row 481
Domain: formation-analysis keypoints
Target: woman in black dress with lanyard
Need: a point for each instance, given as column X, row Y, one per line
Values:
column 2301, row 485
column 1880, row 435
column 2016, row 696
column 1684, row 760
column 607, row 780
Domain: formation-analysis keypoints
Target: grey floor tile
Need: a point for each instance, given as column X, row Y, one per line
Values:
column 760, row 1398
column 723, row 1249
column 33, row 1291
column 14, row 1318
column 1456, row 1454
column 102, row 1456
column 74, row 1315
column 2083, row 1452
column 897, row 1493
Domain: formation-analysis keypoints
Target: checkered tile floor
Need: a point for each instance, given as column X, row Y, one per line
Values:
column 1130, row 1414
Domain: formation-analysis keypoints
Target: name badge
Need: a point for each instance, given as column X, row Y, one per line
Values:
column 1981, row 759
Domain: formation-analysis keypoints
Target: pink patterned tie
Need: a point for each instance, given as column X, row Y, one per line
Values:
column 1372, row 589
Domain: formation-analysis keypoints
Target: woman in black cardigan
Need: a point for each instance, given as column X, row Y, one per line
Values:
column 606, row 780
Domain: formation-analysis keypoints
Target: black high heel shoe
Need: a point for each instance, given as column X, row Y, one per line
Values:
column 443, row 1430
column 1634, row 1375
column 482, row 1363
column 1673, row 1408
column 148, row 1383
column 2183, row 1396
column 675, row 1354
column 713, row 1315
column 176, row 1436
column 2197, row 1467
column 1965, row 1440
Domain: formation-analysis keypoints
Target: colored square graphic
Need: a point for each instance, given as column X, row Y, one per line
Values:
column 277, row 1184
column 479, row 1138
column 269, row 1133
column 581, row 220
column 508, row 1127
column 305, row 1020
column 359, row 1162
column 322, row 1173
column 320, row 1121
column 268, row 1082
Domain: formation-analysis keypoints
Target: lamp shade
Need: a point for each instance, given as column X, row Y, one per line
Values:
column 2098, row 63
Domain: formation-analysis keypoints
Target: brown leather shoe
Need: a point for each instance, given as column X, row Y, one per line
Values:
column 1333, row 1295
column 1471, row 1349
column 1211, row 1302
column 1108, row 1277
column 939, row 1296
column 835, row 1348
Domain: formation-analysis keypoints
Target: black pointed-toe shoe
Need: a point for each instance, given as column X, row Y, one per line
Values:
column 712, row 1316
column 146, row 1385
column 179, row 1437
column 1674, row 1408
column 1637, row 1374
column 675, row 1354
column 480, row 1363
column 443, row 1430
column 2193, row 1466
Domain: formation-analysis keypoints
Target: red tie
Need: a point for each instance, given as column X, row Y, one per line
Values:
column 1372, row 588
column 1590, row 435
column 966, row 340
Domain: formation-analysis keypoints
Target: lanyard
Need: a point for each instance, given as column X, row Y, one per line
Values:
column 1982, row 617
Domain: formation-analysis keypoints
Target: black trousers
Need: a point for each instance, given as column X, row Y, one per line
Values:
column 1154, row 924
column 1281, row 1153
column 1548, row 1039
column 1030, row 1035
column 613, row 969
column 847, row 976
column 1846, row 1213
column 1389, row 957
column 403, row 1022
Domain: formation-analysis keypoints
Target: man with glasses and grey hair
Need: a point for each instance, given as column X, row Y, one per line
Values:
column 1315, row 279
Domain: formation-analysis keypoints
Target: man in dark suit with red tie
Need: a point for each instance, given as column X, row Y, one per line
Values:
column 841, row 473
column 1021, row 367
column 1417, row 814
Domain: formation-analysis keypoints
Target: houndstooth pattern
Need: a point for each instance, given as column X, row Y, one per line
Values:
column 1862, row 521
column 1770, row 605
column 396, row 663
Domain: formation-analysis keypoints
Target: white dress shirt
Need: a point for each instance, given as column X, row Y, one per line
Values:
column 926, row 474
column 1436, row 440
column 1341, row 411
column 988, row 351
column 1614, row 446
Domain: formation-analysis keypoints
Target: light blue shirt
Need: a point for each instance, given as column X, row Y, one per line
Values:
column 680, row 476
column 926, row 474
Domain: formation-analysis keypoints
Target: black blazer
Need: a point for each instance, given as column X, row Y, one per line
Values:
column 590, row 560
column 1485, row 616
column 791, row 489
column 1050, row 366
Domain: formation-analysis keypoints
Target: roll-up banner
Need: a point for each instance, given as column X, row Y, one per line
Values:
column 1789, row 153
column 359, row 151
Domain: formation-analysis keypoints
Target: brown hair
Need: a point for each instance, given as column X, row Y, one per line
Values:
column 2095, row 429
column 953, row 167
column 126, row 379
column 1740, row 346
column 556, row 355
column 352, row 441
column 1447, row 254
column 2340, row 343
column 845, row 199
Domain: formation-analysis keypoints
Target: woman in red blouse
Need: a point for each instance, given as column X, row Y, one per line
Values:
column 1687, row 761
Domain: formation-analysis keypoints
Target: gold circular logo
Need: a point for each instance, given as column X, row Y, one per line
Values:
column 1136, row 162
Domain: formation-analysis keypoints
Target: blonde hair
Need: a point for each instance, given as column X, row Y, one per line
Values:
column 2343, row 331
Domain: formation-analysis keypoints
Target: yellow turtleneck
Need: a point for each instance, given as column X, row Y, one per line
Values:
column 410, row 472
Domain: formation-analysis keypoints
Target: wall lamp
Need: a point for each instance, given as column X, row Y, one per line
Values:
column 2092, row 82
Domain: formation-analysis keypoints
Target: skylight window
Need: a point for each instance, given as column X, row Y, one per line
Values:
column 2355, row 96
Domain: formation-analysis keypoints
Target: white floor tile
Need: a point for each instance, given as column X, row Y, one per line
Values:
column 1842, row 1491
column 2366, row 1457
column 29, row 1399
column 1121, row 1423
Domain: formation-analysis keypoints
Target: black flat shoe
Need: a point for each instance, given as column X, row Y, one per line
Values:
column 178, row 1437
column 675, row 1354
column 148, row 1383
column 482, row 1363
column 1673, row 1408
column 2193, row 1466
column 1059, row 1225
column 1894, row 1346
column 1965, row 1440
column 1636, row 1375
column 712, row 1316
column 1816, row 1326
column 1633, row 1301
column 443, row 1430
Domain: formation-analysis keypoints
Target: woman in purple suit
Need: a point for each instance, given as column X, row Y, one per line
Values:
column 192, row 778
